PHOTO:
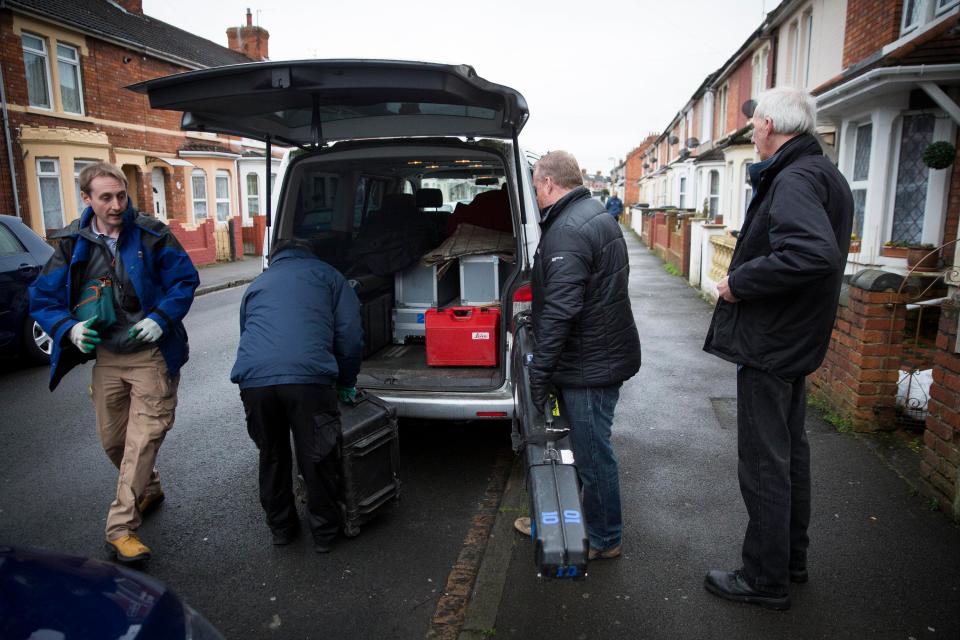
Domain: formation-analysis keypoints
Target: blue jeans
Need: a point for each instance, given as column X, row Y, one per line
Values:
column 590, row 411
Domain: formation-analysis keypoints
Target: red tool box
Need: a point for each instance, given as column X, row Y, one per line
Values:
column 462, row 336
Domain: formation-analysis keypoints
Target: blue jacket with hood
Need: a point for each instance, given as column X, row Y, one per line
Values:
column 299, row 324
column 161, row 272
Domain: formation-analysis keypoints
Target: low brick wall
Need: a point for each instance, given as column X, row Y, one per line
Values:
column 859, row 374
column 941, row 439
column 648, row 225
column 199, row 243
column 678, row 254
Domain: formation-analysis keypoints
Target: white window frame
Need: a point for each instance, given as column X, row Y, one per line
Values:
column 806, row 44
column 75, row 63
column 938, row 183
column 706, row 117
column 199, row 173
column 927, row 11
column 682, row 187
column 253, row 198
column 78, row 165
column 793, row 51
column 747, row 187
column 712, row 211
column 864, row 184
column 222, row 174
column 722, row 96
column 55, row 174
column 760, row 71
column 45, row 55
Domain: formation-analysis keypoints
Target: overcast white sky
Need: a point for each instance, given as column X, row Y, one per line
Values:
column 597, row 76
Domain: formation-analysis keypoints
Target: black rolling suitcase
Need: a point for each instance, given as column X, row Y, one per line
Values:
column 369, row 460
column 560, row 543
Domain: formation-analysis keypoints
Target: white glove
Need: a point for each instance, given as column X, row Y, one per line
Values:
column 146, row 330
column 83, row 337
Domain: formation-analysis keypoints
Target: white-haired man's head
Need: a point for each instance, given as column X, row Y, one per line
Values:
column 781, row 114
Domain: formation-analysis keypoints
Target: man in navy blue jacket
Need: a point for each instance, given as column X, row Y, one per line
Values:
column 139, row 354
column 301, row 345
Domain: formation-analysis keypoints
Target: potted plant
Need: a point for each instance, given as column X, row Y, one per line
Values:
column 922, row 257
column 894, row 249
column 939, row 155
column 854, row 243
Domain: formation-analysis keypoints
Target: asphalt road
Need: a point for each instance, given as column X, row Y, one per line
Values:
column 209, row 540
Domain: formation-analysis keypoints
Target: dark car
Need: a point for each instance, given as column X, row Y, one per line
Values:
column 51, row 595
column 22, row 255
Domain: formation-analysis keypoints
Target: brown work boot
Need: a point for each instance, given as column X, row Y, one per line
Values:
column 128, row 549
column 148, row 503
column 603, row 554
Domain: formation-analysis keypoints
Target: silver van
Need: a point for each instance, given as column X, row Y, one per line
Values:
column 390, row 161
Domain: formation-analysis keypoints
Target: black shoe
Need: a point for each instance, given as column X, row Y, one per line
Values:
column 325, row 546
column 731, row 585
column 798, row 575
column 283, row 537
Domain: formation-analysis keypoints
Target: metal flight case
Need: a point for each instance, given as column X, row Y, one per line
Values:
column 559, row 534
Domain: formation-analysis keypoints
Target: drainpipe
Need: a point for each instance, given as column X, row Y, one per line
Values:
column 6, row 135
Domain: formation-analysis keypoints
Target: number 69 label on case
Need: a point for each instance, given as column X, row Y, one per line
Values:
column 570, row 516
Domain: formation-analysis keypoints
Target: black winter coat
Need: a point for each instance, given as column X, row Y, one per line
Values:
column 582, row 320
column 788, row 265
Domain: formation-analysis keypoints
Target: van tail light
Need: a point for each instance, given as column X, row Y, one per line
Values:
column 524, row 293
column 522, row 298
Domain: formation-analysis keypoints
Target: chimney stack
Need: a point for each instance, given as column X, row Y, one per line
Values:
column 132, row 6
column 249, row 40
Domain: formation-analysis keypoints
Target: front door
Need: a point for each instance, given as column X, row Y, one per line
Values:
column 159, row 195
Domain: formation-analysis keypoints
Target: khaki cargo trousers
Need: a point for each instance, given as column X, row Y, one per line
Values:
column 135, row 401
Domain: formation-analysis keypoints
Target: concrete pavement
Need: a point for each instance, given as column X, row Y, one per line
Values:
column 882, row 564
column 223, row 275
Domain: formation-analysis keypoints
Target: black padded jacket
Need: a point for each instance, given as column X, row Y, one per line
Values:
column 788, row 265
column 582, row 320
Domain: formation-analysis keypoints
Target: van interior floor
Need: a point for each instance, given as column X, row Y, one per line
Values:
column 406, row 365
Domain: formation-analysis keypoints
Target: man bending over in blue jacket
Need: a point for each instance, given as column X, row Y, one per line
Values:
column 301, row 345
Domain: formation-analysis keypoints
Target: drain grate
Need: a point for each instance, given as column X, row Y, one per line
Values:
column 725, row 410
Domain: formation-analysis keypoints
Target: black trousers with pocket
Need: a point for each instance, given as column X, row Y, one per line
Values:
column 310, row 412
column 774, row 472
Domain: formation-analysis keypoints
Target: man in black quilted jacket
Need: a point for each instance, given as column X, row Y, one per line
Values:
column 586, row 339
column 776, row 311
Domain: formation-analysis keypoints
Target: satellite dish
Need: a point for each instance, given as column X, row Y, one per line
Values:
column 748, row 108
column 692, row 142
column 673, row 139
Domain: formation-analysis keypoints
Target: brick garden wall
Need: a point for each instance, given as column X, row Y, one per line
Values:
column 859, row 374
column 941, row 440
column 199, row 243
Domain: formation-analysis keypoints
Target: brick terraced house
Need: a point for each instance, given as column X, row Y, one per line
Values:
column 64, row 66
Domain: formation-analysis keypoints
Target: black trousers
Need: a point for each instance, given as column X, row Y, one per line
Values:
column 310, row 412
column 774, row 472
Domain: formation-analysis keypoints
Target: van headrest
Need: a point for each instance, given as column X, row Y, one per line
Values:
column 429, row 198
column 398, row 202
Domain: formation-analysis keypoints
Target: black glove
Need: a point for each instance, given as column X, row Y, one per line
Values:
column 538, row 395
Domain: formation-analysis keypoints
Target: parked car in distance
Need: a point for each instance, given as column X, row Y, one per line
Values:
column 22, row 255
column 52, row 595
